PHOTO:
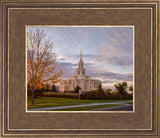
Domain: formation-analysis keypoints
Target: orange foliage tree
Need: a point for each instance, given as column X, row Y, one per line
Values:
column 41, row 62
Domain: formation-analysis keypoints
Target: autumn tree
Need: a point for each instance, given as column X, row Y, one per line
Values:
column 41, row 62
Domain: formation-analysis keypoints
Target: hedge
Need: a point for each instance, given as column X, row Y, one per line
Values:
column 88, row 95
column 62, row 95
column 91, row 95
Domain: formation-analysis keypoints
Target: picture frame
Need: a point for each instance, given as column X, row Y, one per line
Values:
column 90, row 61
column 17, row 14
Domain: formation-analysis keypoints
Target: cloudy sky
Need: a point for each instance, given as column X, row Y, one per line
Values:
column 107, row 52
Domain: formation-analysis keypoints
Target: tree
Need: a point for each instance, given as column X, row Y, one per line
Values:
column 54, row 89
column 131, row 87
column 121, row 88
column 29, row 93
column 46, row 87
column 108, row 91
column 100, row 89
column 41, row 62
column 76, row 89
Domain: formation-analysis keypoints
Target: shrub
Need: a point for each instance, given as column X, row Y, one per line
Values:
column 88, row 95
column 94, row 95
column 62, row 95
column 38, row 93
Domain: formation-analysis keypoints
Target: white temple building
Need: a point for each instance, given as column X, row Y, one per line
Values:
column 86, row 83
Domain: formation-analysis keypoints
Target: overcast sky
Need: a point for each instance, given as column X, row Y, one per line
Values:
column 107, row 52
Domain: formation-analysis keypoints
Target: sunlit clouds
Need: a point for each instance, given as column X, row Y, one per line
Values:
column 107, row 52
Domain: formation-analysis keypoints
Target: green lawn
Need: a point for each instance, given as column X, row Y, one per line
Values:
column 86, row 108
column 131, row 102
column 54, row 101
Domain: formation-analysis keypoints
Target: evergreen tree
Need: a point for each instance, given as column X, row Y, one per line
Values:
column 76, row 89
column 100, row 89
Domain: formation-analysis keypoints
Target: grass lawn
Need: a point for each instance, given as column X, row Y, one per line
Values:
column 86, row 108
column 54, row 101
column 131, row 102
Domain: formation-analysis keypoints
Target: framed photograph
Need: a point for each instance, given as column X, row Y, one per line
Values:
column 80, row 68
column 61, row 78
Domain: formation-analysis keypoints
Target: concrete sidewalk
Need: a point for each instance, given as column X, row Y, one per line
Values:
column 74, row 106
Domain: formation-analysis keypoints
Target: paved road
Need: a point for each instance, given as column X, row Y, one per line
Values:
column 74, row 106
column 116, row 108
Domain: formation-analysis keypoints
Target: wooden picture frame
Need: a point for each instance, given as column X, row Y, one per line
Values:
column 143, row 15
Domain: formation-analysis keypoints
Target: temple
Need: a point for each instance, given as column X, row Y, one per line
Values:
column 86, row 83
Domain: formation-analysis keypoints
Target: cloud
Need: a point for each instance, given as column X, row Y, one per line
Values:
column 115, row 56
column 67, row 68
column 124, row 37
column 110, row 78
column 108, row 81
column 61, row 59
column 113, row 76
column 107, row 75
column 77, row 56
column 109, row 43
column 117, row 76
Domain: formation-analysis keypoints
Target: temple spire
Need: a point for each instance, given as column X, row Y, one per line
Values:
column 81, row 53
column 81, row 61
column 80, row 69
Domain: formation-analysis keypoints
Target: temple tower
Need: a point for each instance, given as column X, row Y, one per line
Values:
column 80, row 69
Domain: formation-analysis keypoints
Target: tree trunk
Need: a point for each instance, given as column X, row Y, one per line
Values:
column 32, row 96
column 120, row 97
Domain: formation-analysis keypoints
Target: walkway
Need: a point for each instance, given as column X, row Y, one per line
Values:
column 74, row 106
column 115, row 108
